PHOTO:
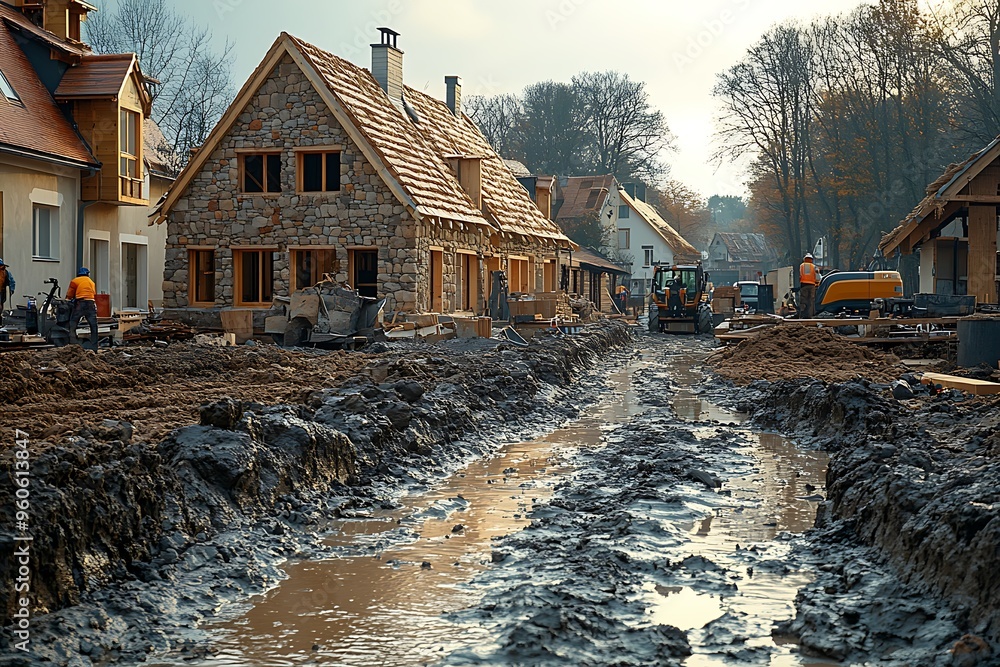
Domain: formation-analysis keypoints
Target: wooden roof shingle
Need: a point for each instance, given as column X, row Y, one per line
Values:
column 96, row 77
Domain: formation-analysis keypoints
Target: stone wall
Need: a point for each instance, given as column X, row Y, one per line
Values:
column 287, row 113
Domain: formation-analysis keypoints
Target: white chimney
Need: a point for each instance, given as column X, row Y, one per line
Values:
column 454, row 84
column 387, row 65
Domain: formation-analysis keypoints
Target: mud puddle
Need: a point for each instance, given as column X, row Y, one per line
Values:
column 382, row 600
column 773, row 495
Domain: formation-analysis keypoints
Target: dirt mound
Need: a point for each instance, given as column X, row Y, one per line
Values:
column 793, row 352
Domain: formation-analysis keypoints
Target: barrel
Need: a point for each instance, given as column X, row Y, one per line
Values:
column 103, row 305
column 978, row 341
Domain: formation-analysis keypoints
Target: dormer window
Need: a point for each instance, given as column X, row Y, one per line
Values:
column 7, row 89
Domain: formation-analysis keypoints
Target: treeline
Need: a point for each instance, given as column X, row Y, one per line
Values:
column 849, row 118
column 599, row 123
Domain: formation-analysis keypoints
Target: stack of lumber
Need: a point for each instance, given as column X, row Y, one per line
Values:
column 166, row 330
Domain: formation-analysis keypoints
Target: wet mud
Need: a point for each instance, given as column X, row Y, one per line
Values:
column 472, row 504
column 138, row 543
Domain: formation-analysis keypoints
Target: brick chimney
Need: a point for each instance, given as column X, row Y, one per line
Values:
column 387, row 65
column 454, row 99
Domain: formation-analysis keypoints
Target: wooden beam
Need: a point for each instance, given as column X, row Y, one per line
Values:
column 983, row 253
column 934, row 220
column 977, row 199
column 974, row 387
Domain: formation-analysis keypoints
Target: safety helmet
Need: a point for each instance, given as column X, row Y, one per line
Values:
column 84, row 271
column 809, row 255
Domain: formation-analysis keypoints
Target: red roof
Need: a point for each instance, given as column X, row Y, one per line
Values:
column 583, row 195
column 96, row 77
column 34, row 123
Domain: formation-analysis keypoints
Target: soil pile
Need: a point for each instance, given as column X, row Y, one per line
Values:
column 794, row 352
column 56, row 392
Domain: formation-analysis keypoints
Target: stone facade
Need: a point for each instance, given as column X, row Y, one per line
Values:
column 286, row 114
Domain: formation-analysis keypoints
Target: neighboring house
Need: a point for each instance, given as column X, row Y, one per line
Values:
column 646, row 239
column 322, row 167
column 733, row 257
column 637, row 236
column 954, row 228
column 75, row 178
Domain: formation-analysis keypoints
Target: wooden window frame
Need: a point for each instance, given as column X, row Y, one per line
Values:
column 130, row 161
column 238, row 253
column 293, row 253
column 192, row 275
column 264, row 153
column 325, row 151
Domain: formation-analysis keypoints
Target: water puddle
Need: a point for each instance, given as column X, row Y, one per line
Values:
column 382, row 602
column 779, row 491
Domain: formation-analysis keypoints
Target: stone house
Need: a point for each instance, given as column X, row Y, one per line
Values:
column 322, row 167
column 78, row 164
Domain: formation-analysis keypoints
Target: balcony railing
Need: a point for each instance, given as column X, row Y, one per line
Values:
column 131, row 187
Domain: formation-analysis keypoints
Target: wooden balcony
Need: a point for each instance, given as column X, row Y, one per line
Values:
column 131, row 188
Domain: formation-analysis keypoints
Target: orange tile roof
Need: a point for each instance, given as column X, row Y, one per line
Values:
column 584, row 194
column 505, row 199
column 96, row 77
column 417, row 167
column 35, row 124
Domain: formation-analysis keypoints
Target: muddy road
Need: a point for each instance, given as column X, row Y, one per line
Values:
column 656, row 528
column 596, row 501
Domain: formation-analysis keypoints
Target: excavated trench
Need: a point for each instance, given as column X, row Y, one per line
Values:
column 656, row 528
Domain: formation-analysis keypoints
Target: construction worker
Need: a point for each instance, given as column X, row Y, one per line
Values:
column 6, row 285
column 621, row 294
column 808, row 279
column 82, row 293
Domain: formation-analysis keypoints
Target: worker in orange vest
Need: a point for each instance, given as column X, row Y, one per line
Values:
column 808, row 279
column 82, row 293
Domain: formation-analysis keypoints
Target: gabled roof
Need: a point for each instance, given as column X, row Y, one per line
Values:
column 98, row 77
column 954, row 179
column 34, row 126
column 745, row 247
column 506, row 202
column 683, row 251
column 584, row 194
column 408, row 155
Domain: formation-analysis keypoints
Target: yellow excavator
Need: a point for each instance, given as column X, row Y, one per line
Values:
column 678, row 302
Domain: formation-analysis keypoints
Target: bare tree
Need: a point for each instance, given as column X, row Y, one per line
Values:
column 966, row 36
column 552, row 136
column 628, row 135
column 499, row 118
column 195, row 78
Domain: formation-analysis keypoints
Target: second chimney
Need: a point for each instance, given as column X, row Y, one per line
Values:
column 454, row 84
column 387, row 65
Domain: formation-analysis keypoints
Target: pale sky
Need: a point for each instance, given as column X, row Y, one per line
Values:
column 499, row 46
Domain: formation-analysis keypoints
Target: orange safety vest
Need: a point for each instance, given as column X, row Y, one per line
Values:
column 82, row 288
column 807, row 273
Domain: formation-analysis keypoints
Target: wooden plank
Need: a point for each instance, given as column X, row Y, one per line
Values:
column 983, row 253
column 974, row 387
